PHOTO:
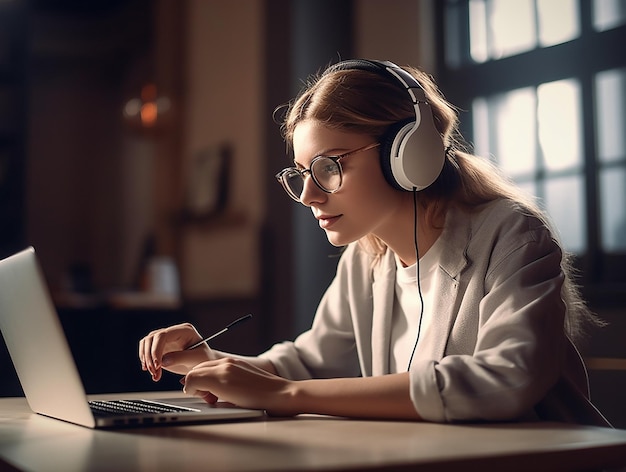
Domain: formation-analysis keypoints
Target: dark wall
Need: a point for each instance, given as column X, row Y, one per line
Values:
column 322, row 34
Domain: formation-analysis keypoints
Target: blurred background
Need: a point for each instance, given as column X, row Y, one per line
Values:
column 139, row 143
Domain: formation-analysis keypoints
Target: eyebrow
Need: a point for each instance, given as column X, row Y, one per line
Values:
column 329, row 153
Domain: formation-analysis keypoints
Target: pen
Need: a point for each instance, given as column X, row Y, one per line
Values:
column 205, row 340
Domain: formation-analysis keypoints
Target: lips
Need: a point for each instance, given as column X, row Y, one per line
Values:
column 326, row 221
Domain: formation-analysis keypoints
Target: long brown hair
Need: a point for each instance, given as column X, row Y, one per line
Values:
column 364, row 102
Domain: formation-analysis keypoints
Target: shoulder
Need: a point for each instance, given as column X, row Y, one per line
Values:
column 503, row 217
column 494, row 231
column 507, row 233
column 495, row 220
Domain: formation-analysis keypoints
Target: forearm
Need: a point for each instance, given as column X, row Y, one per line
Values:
column 384, row 396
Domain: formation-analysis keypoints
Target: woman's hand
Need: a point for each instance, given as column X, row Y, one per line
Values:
column 242, row 383
column 165, row 348
column 247, row 384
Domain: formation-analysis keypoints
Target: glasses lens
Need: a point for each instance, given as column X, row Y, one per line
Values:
column 327, row 173
column 293, row 183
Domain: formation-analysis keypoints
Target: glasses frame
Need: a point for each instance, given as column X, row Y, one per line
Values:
column 280, row 176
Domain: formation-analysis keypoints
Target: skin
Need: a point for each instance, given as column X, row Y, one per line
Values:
column 365, row 204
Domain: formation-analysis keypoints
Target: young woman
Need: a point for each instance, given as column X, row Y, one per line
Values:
column 453, row 300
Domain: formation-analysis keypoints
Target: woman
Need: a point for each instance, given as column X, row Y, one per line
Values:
column 452, row 300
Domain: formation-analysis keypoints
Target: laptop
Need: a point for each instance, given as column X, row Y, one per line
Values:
column 47, row 371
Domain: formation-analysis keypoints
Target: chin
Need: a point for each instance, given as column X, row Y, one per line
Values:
column 338, row 240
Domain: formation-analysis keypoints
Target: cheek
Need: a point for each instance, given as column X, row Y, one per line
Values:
column 371, row 181
column 380, row 203
column 375, row 195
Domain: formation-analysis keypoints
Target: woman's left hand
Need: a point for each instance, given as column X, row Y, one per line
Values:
column 240, row 383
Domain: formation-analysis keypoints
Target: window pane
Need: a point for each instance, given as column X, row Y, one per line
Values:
column 480, row 117
column 505, row 127
column 559, row 122
column 564, row 201
column 479, row 47
column 611, row 113
column 501, row 28
column 613, row 209
column 512, row 25
column 608, row 14
column 558, row 21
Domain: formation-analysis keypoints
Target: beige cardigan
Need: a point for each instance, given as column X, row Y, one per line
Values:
column 495, row 348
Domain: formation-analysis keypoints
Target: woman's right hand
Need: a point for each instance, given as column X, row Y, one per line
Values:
column 165, row 349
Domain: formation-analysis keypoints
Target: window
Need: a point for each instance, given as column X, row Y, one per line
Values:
column 608, row 14
column 504, row 28
column 542, row 87
column 610, row 92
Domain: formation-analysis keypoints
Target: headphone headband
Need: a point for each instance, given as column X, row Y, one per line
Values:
column 412, row 152
column 385, row 68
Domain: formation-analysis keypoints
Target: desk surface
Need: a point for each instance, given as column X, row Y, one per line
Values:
column 35, row 443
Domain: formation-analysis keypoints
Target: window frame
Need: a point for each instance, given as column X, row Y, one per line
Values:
column 600, row 274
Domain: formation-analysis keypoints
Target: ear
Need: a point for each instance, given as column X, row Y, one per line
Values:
column 388, row 142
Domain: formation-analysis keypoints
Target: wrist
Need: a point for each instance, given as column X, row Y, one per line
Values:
column 290, row 399
column 214, row 355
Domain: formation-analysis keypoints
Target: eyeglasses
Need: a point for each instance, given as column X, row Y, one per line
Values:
column 325, row 170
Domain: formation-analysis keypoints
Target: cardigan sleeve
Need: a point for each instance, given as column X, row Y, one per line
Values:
column 511, row 305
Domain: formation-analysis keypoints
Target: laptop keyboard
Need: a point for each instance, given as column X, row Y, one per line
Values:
column 130, row 407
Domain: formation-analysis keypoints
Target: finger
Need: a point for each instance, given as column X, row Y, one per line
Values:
column 142, row 358
column 150, row 347
column 148, row 359
column 144, row 353
column 199, row 379
column 155, row 353
column 208, row 397
column 145, row 347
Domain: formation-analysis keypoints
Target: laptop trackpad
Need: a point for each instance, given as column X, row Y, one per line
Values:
column 193, row 402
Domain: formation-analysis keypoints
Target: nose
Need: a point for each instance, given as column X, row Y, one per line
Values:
column 311, row 193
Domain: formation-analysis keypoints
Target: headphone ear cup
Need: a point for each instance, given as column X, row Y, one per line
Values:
column 388, row 142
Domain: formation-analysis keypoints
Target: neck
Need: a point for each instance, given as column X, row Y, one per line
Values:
column 400, row 237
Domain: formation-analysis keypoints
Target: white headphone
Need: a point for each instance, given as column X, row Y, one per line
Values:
column 412, row 151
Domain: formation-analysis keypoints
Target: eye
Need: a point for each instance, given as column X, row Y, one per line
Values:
column 326, row 166
column 330, row 168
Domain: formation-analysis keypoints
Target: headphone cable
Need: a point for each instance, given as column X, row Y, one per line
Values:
column 417, row 270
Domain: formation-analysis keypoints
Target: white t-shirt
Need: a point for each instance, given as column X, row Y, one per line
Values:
column 407, row 307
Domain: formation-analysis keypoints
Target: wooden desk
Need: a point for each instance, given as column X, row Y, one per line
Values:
column 35, row 443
